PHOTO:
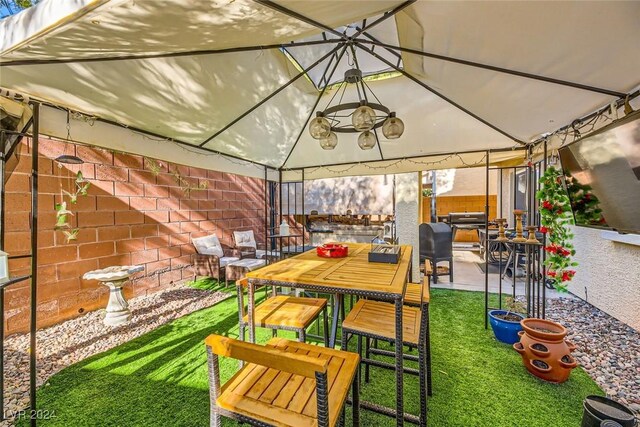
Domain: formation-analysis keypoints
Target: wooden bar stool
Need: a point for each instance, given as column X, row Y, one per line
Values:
column 376, row 320
column 284, row 383
column 283, row 312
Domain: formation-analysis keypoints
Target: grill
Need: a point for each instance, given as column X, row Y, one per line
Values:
column 466, row 221
column 436, row 245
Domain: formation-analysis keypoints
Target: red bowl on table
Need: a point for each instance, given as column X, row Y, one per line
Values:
column 331, row 250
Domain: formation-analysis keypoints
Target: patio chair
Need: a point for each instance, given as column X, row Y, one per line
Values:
column 212, row 257
column 284, row 383
column 376, row 320
column 245, row 241
column 283, row 312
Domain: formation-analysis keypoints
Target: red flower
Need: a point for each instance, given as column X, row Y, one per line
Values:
column 547, row 205
column 544, row 230
column 559, row 210
column 551, row 273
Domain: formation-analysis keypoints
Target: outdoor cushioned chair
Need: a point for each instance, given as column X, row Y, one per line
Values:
column 283, row 312
column 284, row 383
column 376, row 320
column 245, row 241
column 212, row 257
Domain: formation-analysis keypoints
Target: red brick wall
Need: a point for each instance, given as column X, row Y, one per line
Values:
column 130, row 216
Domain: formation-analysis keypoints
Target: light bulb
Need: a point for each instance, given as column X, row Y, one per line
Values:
column 363, row 118
column 319, row 127
column 366, row 140
column 393, row 127
column 330, row 142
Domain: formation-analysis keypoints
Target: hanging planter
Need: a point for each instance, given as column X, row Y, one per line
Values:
column 555, row 219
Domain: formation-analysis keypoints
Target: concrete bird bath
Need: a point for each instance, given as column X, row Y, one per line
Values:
column 118, row 312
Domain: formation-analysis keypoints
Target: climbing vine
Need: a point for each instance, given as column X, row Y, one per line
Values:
column 187, row 187
column 63, row 214
column 555, row 219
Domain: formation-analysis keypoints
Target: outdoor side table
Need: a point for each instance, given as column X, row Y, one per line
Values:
column 114, row 278
column 239, row 269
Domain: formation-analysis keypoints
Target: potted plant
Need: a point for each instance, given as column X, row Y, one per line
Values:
column 545, row 351
column 506, row 323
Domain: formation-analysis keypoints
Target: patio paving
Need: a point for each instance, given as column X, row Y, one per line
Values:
column 467, row 276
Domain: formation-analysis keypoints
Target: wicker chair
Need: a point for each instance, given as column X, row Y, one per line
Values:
column 245, row 241
column 284, row 383
column 212, row 257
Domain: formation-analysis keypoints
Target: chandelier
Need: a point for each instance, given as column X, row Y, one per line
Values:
column 353, row 117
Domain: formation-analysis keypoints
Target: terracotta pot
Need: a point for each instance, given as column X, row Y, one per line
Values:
column 545, row 352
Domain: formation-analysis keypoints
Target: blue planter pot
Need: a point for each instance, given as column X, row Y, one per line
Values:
column 504, row 330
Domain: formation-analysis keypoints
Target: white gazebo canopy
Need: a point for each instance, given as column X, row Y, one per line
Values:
column 232, row 85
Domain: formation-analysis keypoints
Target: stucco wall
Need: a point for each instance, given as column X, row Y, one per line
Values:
column 408, row 214
column 464, row 182
column 608, row 275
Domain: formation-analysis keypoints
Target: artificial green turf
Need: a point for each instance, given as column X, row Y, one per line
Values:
column 160, row 379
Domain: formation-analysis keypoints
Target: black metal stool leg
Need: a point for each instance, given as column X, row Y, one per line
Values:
column 367, row 353
column 359, row 350
column 428, row 351
column 325, row 326
column 423, row 393
column 355, row 399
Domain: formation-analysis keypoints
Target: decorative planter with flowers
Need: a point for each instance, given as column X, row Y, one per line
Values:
column 555, row 219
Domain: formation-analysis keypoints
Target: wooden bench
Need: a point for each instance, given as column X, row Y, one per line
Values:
column 284, row 383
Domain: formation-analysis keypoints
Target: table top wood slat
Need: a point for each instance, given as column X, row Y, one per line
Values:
column 354, row 272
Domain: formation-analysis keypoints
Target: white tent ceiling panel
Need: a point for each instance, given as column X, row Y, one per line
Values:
column 431, row 126
column 386, row 32
column 53, row 124
column 194, row 97
column 593, row 43
column 186, row 98
column 267, row 133
column 524, row 108
column 450, row 161
column 126, row 27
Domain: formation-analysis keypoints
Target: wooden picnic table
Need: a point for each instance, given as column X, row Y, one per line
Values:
column 352, row 275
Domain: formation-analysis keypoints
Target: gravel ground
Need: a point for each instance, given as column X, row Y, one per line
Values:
column 608, row 349
column 72, row 341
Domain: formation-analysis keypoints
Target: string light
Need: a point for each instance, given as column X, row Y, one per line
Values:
column 422, row 163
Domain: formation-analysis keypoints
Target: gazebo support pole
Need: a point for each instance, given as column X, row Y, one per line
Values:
column 266, row 214
column 544, row 244
column 34, row 261
column 2, row 218
column 304, row 217
column 486, row 243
